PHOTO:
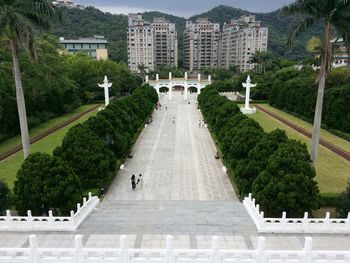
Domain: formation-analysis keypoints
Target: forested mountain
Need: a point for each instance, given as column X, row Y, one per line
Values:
column 91, row 21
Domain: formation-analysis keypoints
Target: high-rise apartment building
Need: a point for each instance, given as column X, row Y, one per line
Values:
column 240, row 40
column 165, row 43
column 151, row 44
column 201, row 45
column 140, row 43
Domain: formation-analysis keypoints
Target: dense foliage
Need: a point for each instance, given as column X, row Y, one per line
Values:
column 91, row 21
column 55, row 84
column 343, row 202
column 275, row 169
column 87, row 158
column 295, row 91
column 5, row 198
column 44, row 183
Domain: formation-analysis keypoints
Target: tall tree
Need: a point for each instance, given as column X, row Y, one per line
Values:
column 18, row 18
column 335, row 16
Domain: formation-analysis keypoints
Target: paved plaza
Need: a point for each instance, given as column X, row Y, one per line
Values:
column 186, row 194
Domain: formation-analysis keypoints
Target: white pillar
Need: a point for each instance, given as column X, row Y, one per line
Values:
column 146, row 78
column 106, row 86
column 124, row 257
column 78, row 245
column 186, row 76
column 199, row 89
column 170, row 75
column 157, row 77
column 199, row 77
column 307, row 250
column 261, row 250
column 185, row 92
column 34, row 252
column 209, row 79
column 169, row 255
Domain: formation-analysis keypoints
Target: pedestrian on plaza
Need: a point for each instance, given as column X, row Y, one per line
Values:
column 174, row 120
column 133, row 183
column 140, row 182
column 199, row 123
column 166, row 107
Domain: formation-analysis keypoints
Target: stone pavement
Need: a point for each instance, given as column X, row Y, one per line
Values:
column 186, row 194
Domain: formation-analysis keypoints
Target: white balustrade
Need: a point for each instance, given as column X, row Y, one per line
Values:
column 295, row 225
column 50, row 222
column 79, row 254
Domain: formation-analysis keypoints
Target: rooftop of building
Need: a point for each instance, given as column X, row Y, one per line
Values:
column 90, row 40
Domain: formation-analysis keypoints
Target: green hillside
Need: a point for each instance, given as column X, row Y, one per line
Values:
column 91, row 21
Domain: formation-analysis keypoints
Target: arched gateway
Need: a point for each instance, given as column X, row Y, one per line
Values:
column 185, row 82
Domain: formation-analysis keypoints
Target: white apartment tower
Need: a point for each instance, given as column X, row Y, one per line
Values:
column 151, row 44
column 165, row 43
column 140, row 43
column 201, row 45
column 240, row 40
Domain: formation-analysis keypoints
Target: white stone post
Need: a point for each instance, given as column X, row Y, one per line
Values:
column 261, row 250
column 186, row 76
column 157, row 77
column 8, row 219
column 209, row 79
column 215, row 256
column 170, row 76
column 34, row 252
column 51, row 219
column 306, row 221
column 284, row 220
column 327, row 221
column 124, row 257
column 185, row 92
column 199, row 77
column 90, row 195
column 199, row 89
column 106, row 86
column 78, row 207
column 146, row 79
column 307, row 250
column 348, row 222
column 169, row 254
column 78, row 245
column 84, row 200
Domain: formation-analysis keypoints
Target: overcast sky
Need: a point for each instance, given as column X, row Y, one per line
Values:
column 184, row 8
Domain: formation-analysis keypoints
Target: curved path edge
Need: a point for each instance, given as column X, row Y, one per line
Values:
column 46, row 133
column 323, row 142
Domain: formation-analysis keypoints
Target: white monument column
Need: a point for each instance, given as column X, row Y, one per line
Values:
column 246, row 109
column 170, row 75
column 199, row 89
column 199, row 77
column 186, row 76
column 209, row 79
column 146, row 78
column 106, row 85
column 170, row 86
column 157, row 77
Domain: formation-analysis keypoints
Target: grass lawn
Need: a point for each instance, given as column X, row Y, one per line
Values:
column 14, row 141
column 332, row 171
column 337, row 141
column 10, row 166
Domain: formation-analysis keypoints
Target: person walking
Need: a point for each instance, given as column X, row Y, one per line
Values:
column 174, row 120
column 133, row 182
column 140, row 182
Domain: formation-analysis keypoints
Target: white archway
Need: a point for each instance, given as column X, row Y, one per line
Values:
column 183, row 82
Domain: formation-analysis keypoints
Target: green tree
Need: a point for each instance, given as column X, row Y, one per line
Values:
column 5, row 197
column 263, row 59
column 45, row 182
column 288, row 183
column 88, row 155
column 17, row 22
column 334, row 14
column 343, row 202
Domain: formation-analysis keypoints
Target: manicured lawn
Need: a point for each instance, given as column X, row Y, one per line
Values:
column 10, row 166
column 13, row 142
column 333, row 171
column 337, row 141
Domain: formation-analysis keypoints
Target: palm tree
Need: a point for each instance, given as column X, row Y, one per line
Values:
column 263, row 59
column 335, row 17
column 18, row 18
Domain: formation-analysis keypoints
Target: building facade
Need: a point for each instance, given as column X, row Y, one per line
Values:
column 201, row 45
column 95, row 47
column 67, row 3
column 165, row 43
column 151, row 45
column 240, row 40
column 341, row 54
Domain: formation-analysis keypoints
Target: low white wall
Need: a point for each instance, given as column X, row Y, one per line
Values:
column 295, row 225
column 78, row 254
column 49, row 223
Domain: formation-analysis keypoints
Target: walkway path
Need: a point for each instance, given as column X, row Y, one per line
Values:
column 328, row 145
column 186, row 194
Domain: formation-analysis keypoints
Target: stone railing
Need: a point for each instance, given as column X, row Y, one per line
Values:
column 50, row 223
column 294, row 225
column 169, row 254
